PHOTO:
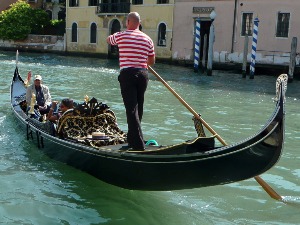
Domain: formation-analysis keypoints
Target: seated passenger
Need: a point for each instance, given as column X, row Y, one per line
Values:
column 42, row 94
column 65, row 106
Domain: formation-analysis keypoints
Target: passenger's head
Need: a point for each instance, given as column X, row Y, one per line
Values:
column 66, row 104
column 133, row 20
column 37, row 80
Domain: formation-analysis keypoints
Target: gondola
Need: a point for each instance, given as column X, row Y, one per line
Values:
column 192, row 164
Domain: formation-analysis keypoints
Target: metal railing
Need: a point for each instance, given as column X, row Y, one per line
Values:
column 104, row 8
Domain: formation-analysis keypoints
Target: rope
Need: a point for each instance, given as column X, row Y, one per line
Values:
column 199, row 127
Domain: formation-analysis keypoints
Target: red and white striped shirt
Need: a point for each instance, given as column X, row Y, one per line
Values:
column 134, row 48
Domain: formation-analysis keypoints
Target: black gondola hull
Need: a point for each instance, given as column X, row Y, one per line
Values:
column 174, row 167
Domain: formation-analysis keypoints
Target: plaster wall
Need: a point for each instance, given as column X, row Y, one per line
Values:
column 270, row 49
column 184, row 22
column 4, row 4
column 152, row 15
column 41, row 43
column 84, row 16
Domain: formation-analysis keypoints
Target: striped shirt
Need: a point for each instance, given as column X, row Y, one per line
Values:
column 134, row 48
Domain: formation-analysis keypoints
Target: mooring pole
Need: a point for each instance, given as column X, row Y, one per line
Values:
column 292, row 59
column 204, row 52
column 246, row 43
column 197, row 45
column 254, row 45
column 211, row 43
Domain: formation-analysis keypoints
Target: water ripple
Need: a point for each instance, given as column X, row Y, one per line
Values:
column 37, row 190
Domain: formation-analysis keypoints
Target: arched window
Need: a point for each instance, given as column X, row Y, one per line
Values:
column 61, row 14
column 162, row 34
column 74, row 32
column 49, row 12
column 93, row 33
column 115, row 27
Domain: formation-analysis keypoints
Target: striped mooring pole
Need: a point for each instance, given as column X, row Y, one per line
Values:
column 197, row 46
column 254, row 44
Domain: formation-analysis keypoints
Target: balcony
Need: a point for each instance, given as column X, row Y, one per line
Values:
column 104, row 9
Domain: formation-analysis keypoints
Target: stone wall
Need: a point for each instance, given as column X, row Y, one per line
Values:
column 39, row 43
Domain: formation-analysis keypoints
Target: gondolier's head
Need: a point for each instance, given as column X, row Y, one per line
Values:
column 133, row 20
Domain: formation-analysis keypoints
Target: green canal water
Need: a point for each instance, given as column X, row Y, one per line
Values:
column 35, row 189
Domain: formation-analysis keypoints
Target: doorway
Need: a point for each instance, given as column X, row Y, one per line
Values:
column 204, row 42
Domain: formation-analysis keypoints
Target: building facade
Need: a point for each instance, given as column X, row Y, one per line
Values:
column 89, row 22
column 278, row 24
column 171, row 25
column 5, row 4
column 54, row 8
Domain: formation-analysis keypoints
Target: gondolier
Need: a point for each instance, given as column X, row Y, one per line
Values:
column 136, row 51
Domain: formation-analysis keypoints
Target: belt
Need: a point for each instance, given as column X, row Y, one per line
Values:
column 132, row 69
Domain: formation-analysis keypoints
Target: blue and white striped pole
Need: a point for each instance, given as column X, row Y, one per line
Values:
column 197, row 45
column 254, row 44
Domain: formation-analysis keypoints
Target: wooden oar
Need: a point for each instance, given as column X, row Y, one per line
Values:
column 196, row 115
column 268, row 189
column 264, row 185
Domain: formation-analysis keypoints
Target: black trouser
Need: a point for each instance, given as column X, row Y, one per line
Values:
column 133, row 83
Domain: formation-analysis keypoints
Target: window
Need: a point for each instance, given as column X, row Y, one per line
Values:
column 49, row 12
column 93, row 2
column 73, row 3
column 74, row 32
column 162, row 34
column 137, row 2
column 283, row 24
column 93, row 34
column 247, row 24
column 61, row 15
column 162, row 1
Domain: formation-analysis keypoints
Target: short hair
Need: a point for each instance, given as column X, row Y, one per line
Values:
column 135, row 16
column 67, row 102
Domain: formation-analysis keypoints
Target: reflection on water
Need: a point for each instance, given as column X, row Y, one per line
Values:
column 37, row 190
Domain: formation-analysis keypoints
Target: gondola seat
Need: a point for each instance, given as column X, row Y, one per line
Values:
column 79, row 127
